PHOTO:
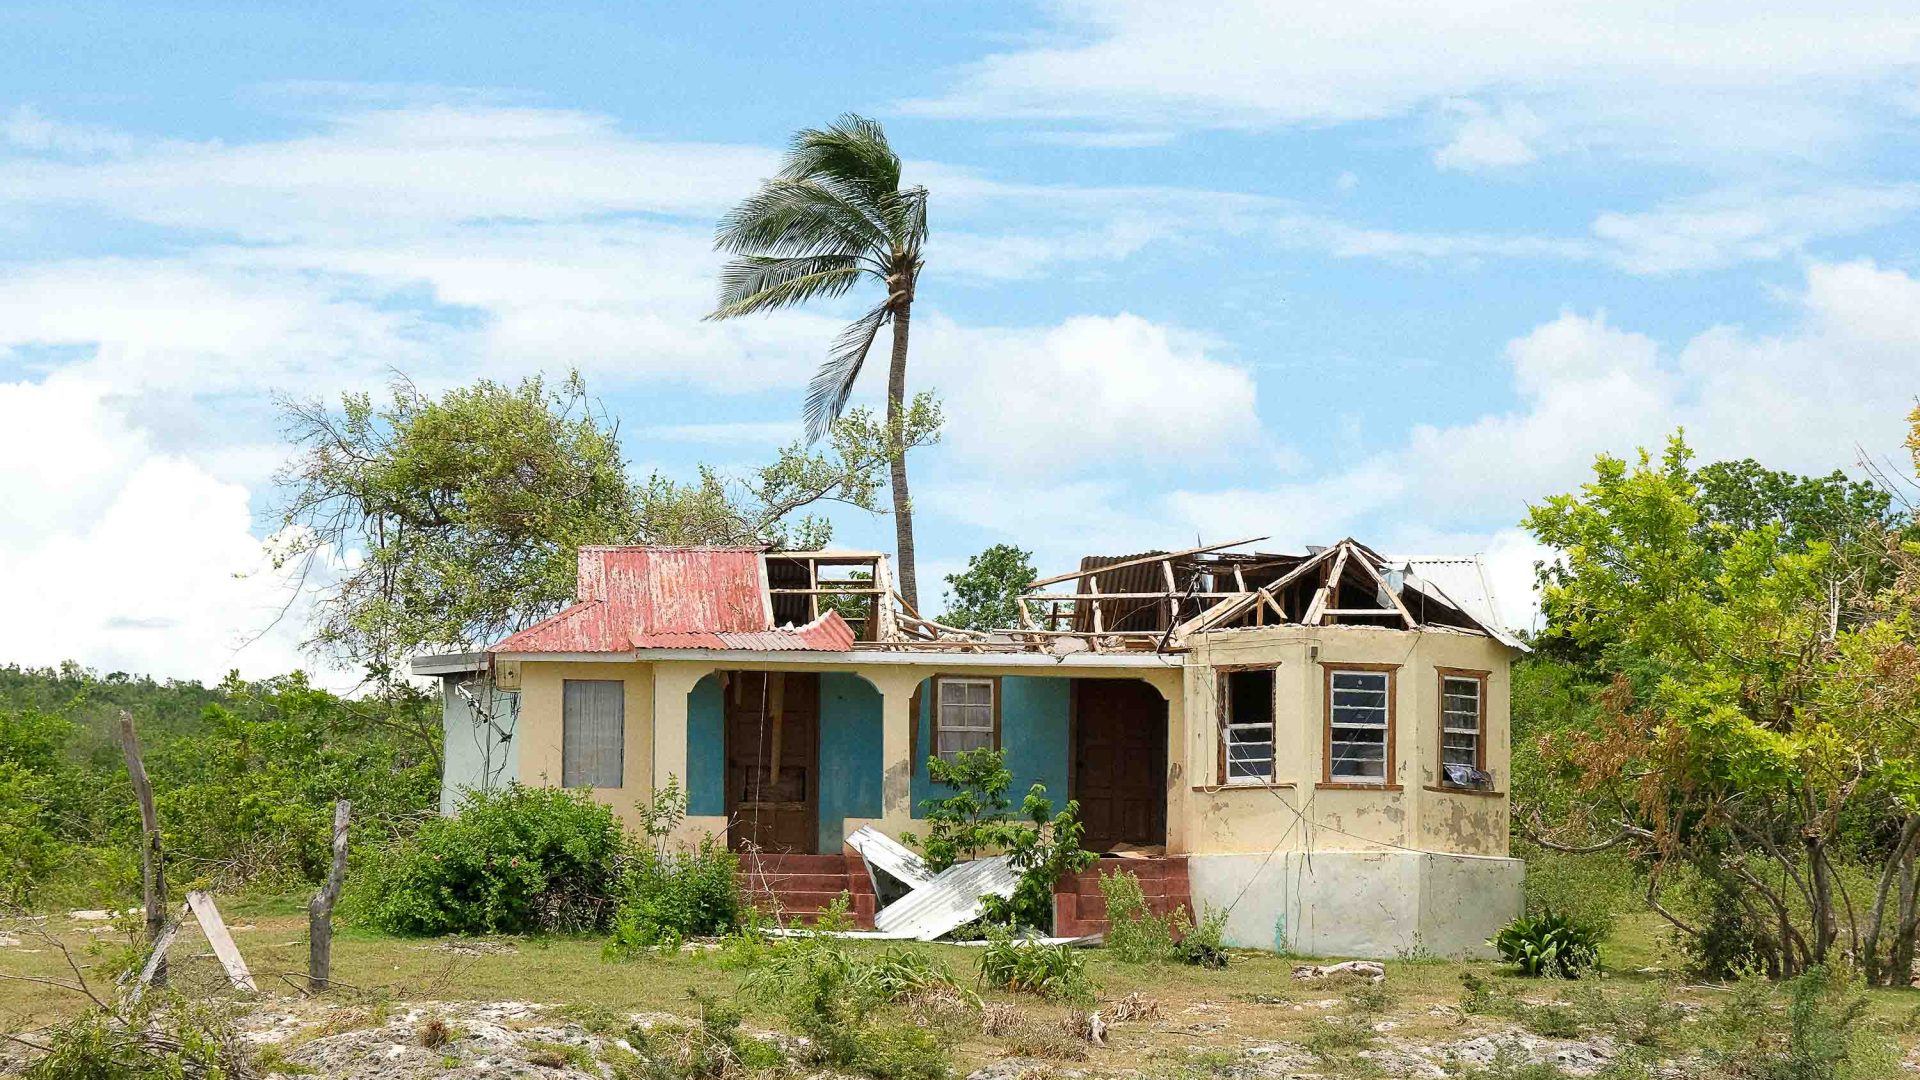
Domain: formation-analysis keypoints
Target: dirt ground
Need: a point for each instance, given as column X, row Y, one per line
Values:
column 557, row 1008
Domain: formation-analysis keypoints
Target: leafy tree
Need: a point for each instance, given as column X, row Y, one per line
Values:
column 984, row 596
column 833, row 217
column 468, row 509
column 1748, row 732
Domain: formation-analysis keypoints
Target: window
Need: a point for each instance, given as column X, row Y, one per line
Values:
column 963, row 716
column 1462, row 705
column 1246, row 726
column 593, row 714
column 1359, row 725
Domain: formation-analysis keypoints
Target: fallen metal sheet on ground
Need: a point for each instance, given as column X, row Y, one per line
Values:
column 950, row 900
column 885, row 855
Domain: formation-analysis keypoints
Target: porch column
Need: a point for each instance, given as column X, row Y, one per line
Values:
column 672, row 682
column 896, row 746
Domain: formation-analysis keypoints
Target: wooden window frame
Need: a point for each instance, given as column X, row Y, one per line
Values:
column 933, row 711
column 1222, row 701
column 1441, row 675
column 1391, row 769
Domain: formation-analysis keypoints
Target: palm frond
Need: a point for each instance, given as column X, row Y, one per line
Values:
column 905, row 215
column 828, row 390
column 755, row 283
column 799, row 219
column 852, row 148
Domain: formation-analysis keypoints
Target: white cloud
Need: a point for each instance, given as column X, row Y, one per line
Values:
column 1701, row 79
column 1723, row 228
column 1488, row 140
column 130, row 559
column 1091, row 390
column 1807, row 399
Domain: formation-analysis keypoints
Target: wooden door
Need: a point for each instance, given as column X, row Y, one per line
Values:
column 1120, row 762
column 773, row 761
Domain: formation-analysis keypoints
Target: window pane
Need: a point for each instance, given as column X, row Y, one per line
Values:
column 1360, row 680
column 592, row 732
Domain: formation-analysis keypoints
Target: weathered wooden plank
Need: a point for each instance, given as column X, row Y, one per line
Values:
column 224, row 950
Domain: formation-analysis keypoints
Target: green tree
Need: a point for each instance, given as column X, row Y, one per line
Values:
column 985, row 596
column 1749, row 733
column 468, row 509
column 833, row 217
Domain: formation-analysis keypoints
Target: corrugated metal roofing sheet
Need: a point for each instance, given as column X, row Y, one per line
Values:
column 673, row 598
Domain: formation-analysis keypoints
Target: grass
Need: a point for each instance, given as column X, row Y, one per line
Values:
column 1203, row 1015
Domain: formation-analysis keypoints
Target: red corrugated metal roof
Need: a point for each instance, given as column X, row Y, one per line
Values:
column 673, row 598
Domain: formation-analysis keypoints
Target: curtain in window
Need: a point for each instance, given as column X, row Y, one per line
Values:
column 592, row 733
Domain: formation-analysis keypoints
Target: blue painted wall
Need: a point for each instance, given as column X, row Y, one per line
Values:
column 850, row 755
column 1034, row 730
column 706, row 749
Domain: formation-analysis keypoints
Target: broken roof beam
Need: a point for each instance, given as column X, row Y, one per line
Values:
column 1141, row 561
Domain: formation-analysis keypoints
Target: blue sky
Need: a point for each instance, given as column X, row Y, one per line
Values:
column 1378, row 270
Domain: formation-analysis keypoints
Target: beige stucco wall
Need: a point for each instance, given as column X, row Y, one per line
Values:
column 538, row 731
column 1298, row 812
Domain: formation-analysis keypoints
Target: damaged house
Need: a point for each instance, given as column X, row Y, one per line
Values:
column 1315, row 742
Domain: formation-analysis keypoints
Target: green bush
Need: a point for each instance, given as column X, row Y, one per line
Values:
column 840, row 1002
column 976, row 819
column 519, row 860
column 163, row 1038
column 1029, row 967
column 1549, row 944
column 1821, row 1031
column 1135, row 934
column 665, row 898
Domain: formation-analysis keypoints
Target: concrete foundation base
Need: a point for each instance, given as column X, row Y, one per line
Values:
column 1376, row 905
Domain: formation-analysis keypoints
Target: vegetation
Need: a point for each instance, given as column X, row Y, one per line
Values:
column 155, row 1040
column 976, row 819
column 667, row 894
column 1750, row 718
column 245, row 775
column 985, row 595
column 842, row 1003
column 833, row 218
column 1549, row 944
column 1031, row 967
column 469, row 507
column 518, row 860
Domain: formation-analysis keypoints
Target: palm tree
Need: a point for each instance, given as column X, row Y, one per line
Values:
column 834, row 216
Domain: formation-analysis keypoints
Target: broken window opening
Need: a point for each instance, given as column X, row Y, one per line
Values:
column 1359, row 725
column 1246, row 726
column 963, row 716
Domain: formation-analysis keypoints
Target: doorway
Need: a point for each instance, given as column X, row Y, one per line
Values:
column 1120, row 763
column 773, row 761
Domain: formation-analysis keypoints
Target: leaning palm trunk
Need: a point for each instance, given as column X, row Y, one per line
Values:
column 896, row 426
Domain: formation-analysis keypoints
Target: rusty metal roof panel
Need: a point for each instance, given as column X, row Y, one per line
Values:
column 673, row 598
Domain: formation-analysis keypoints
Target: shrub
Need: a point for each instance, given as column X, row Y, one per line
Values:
column 519, row 860
column 1549, row 944
column 833, row 998
column 1134, row 933
column 1819, row 1034
column 976, row 819
column 1029, row 967
column 665, row 898
column 159, row 1039
column 1202, row 945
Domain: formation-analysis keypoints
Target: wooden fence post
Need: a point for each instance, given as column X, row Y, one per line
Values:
column 153, row 868
column 320, row 908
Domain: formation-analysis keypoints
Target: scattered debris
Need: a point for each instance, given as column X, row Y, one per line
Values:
column 1087, row 1026
column 1365, row 968
column 1134, row 1007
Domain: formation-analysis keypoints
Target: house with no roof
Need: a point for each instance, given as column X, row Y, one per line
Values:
column 1314, row 742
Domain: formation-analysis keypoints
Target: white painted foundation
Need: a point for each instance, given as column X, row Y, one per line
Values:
column 1376, row 905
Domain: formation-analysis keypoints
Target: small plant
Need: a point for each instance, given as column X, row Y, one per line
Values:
column 1335, row 1037
column 1819, row 1034
column 162, row 1038
column 1549, row 945
column 1135, row 934
column 1028, row 967
column 667, row 897
column 434, row 1033
column 833, row 998
column 1202, row 945
column 977, row 819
